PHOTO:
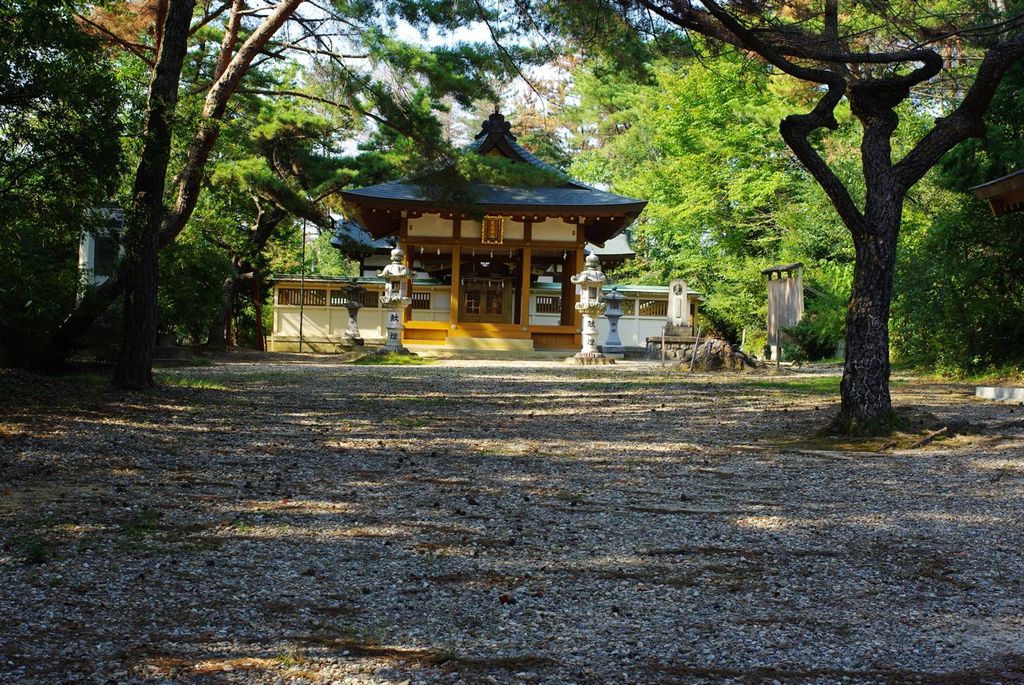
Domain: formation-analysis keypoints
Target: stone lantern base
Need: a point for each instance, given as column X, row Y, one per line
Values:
column 399, row 350
column 589, row 359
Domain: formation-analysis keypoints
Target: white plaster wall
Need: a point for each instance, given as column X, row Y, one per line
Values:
column 430, row 226
column 553, row 229
column 513, row 230
column 633, row 330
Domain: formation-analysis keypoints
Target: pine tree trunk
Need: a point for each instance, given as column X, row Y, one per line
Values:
column 866, row 406
column 142, row 231
column 232, row 67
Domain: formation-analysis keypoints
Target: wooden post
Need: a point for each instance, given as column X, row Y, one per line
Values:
column 524, row 286
column 568, row 292
column 302, row 286
column 578, row 267
column 407, row 312
column 456, row 292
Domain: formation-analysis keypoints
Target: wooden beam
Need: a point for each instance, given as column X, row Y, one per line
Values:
column 416, row 241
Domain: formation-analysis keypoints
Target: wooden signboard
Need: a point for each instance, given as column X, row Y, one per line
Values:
column 492, row 230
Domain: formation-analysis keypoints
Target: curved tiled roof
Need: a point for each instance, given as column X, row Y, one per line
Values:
column 514, row 199
column 496, row 134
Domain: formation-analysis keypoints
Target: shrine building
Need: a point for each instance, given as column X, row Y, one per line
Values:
column 492, row 276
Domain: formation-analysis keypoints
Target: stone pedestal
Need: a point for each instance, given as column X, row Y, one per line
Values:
column 677, row 347
column 393, row 345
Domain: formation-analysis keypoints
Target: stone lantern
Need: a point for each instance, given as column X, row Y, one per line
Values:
column 395, row 299
column 613, row 344
column 590, row 281
column 353, row 294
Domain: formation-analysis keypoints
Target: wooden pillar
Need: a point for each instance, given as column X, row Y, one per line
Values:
column 525, row 264
column 407, row 312
column 578, row 261
column 568, row 291
column 456, row 292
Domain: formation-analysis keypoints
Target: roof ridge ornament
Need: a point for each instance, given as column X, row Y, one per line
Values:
column 495, row 125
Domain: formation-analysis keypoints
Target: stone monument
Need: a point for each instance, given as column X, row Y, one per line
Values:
column 589, row 283
column 678, row 322
column 676, row 340
column 395, row 299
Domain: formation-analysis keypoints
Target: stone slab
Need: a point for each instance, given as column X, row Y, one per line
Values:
column 1003, row 394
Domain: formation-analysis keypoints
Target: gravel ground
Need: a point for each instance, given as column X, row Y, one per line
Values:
column 495, row 522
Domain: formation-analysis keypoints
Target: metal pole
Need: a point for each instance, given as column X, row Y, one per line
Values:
column 302, row 285
column 693, row 355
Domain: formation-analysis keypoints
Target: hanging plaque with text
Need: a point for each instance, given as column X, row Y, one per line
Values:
column 492, row 231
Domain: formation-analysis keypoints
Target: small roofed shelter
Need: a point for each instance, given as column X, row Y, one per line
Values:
column 785, row 302
column 491, row 252
column 1005, row 195
column 614, row 251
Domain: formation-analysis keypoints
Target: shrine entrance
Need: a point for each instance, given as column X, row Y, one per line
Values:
column 487, row 300
column 489, row 285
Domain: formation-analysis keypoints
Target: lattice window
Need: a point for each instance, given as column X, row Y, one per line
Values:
column 495, row 302
column 549, row 304
column 472, row 301
column 371, row 298
column 421, row 300
column 288, row 296
column 653, row 307
column 316, row 297
column 628, row 306
column 337, row 298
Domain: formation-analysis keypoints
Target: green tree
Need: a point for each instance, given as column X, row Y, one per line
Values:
column 354, row 65
column 960, row 289
column 879, row 59
column 59, row 156
column 726, row 197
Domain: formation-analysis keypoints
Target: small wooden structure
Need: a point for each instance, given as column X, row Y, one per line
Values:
column 785, row 302
column 1005, row 195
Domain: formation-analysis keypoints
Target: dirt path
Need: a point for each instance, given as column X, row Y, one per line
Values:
column 474, row 522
